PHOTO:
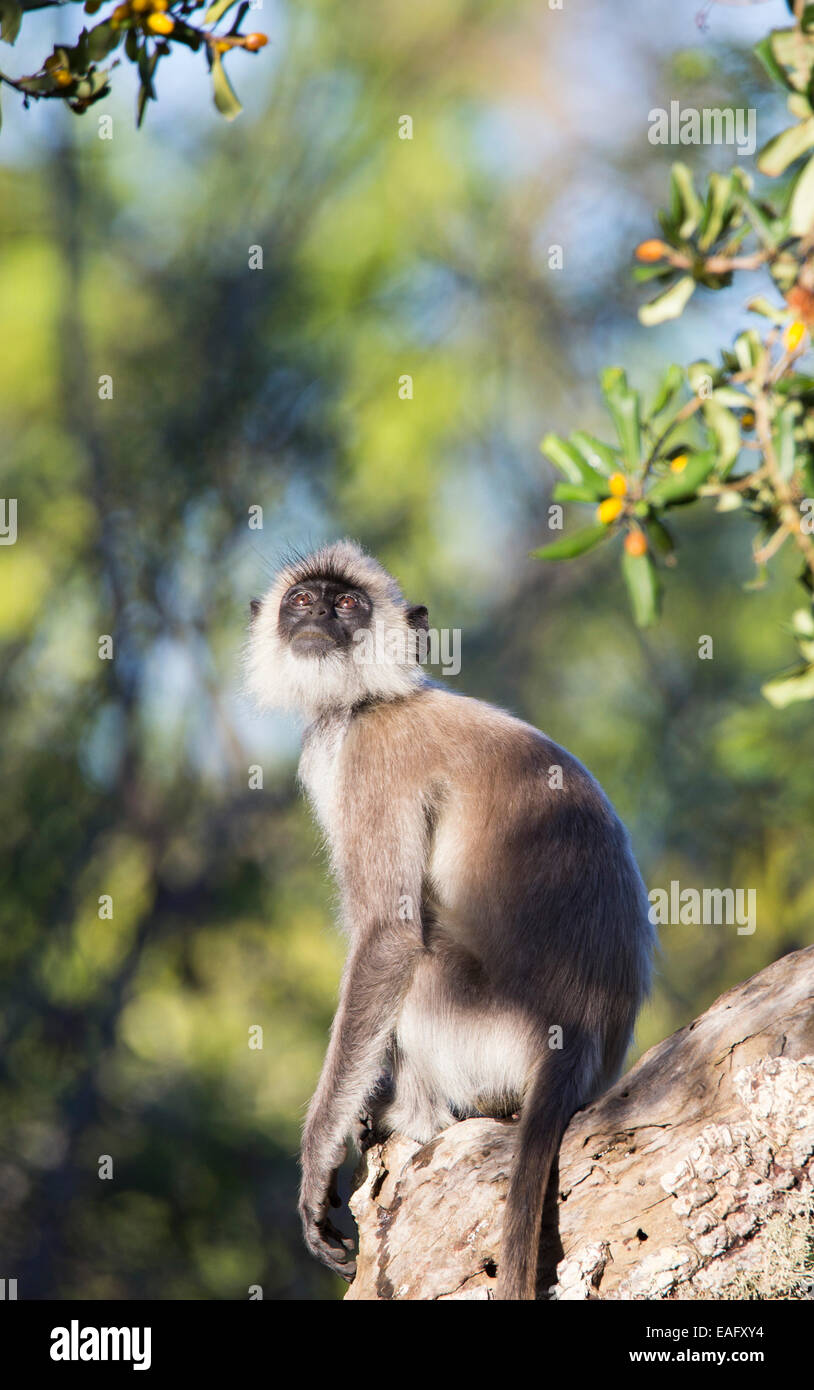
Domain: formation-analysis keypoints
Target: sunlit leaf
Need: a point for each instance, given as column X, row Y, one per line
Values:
column 801, row 212
column 788, row 690
column 11, row 17
column 225, row 98
column 669, row 305
column 783, row 149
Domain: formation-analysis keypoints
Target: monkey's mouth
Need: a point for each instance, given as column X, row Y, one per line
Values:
column 314, row 640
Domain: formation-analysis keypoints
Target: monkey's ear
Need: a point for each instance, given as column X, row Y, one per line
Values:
column 255, row 606
column 418, row 618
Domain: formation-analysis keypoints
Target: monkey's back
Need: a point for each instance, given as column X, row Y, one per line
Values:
column 533, row 913
column 525, row 849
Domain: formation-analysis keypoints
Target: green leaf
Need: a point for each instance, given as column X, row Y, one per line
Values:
column 141, row 103
column 575, row 544
column 770, row 63
column 761, row 305
column 670, row 304
column 660, row 536
column 748, row 349
column 574, row 492
column 574, row 467
column 802, row 203
column 102, row 40
column 563, row 456
column 783, row 149
column 11, row 17
column 643, row 273
column 789, row 51
column 718, row 204
column 225, row 97
column 692, row 208
column 787, row 690
column 217, row 10
column 727, row 432
column 671, row 383
column 642, row 587
column 727, row 395
column 596, row 454
column 623, row 404
column 680, row 487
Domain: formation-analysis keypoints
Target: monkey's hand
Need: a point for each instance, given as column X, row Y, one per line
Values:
column 321, row 1236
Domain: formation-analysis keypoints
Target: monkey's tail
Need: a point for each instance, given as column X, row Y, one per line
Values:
column 552, row 1099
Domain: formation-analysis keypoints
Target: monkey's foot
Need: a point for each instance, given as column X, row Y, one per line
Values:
column 329, row 1245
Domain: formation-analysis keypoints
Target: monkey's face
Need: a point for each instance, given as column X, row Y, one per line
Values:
column 320, row 616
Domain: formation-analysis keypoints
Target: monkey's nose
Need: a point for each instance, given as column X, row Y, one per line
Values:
column 320, row 610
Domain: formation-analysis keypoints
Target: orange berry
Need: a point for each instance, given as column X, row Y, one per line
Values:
column 617, row 482
column 635, row 543
column 120, row 14
column 141, row 6
column 651, row 250
column 160, row 24
column 748, row 420
column 794, row 335
column 609, row 509
column 63, row 78
column 679, row 463
column 255, row 41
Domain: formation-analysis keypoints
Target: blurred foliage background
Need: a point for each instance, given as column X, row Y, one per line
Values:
column 236, row 387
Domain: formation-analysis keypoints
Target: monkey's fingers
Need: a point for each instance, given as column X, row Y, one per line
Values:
column 337, row 1251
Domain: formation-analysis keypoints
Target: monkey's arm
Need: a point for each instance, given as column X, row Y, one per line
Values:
column 382, row 883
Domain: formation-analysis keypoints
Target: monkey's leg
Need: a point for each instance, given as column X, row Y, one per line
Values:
column 415, row 1108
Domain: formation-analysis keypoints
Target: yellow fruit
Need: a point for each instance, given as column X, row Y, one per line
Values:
column 651, row 250
column 679, row 463
column 255, row 41
column 748, row 420
column 635, row 543
column 794, row 335
column 63, row 78
column 222, row 45
column 609, row 509
column 120, row 13
column 617, row 482
column 141, row 6
column 160, row 24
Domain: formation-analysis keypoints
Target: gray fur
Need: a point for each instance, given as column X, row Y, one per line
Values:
column 484, row 910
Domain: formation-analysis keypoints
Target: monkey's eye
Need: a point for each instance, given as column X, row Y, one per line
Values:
column 346, row 602
column 301, row 600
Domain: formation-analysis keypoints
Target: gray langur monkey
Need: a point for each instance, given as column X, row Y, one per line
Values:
column 500, row 944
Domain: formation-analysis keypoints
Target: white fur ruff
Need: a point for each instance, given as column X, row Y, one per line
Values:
column 380, row 669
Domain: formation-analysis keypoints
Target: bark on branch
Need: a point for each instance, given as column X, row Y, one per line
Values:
column 691, row 1178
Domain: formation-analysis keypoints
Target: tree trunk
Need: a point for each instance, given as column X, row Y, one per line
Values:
column 691, row 1178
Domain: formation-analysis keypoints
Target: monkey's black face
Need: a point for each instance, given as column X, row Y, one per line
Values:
column 321, row 615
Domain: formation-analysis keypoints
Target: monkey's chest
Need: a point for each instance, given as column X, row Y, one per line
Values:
column 319, row 772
